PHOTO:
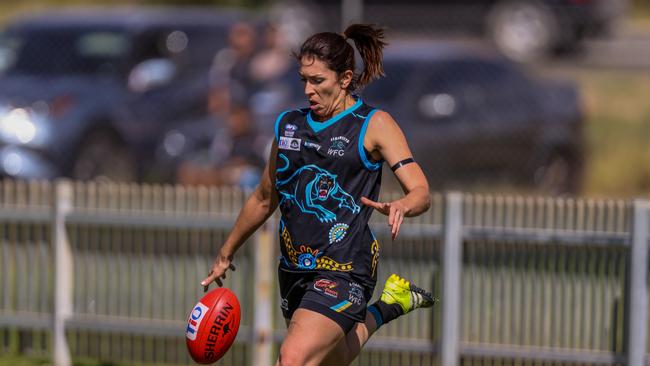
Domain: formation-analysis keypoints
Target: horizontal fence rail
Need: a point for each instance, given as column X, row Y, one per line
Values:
column 109, row 272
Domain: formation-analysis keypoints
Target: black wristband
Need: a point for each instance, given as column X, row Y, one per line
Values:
column 401, row 163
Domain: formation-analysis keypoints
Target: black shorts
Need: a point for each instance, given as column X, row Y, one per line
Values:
column 337, row 295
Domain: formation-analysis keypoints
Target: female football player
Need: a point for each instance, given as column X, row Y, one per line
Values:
column 324, row 173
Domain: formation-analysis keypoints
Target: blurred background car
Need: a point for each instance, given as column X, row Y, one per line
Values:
column 474, row 116
column 523, row 30
column 88, row 93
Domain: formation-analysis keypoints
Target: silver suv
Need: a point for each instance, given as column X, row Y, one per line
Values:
column 89, row 93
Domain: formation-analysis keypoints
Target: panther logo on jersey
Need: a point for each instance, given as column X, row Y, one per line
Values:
column 310, row 187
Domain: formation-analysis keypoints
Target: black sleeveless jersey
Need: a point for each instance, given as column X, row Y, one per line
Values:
column 322, row 171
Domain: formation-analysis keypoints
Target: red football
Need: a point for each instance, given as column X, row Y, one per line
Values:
column 212, row 325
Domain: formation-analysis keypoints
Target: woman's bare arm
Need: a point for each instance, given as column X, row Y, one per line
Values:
column 259, row 206
column 385, row 140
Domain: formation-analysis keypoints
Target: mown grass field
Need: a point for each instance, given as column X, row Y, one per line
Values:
column 35, row 361
column 617, row 132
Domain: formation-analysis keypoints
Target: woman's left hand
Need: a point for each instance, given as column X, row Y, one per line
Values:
column 395, row 211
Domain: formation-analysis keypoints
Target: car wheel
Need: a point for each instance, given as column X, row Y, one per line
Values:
column 559, row 175
column 523, row 30
column 103, row 157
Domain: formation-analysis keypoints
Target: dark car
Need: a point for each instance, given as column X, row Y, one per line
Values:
column 523, row 30
column 471, row 116
column 90, row 93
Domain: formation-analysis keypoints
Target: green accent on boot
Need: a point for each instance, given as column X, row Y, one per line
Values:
column 409, row 297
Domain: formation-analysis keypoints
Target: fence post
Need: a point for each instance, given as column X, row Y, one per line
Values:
column 63, row 268
column 262, row 323
column 638, row 297
column 452, row 262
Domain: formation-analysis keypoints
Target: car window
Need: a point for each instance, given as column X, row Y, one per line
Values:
column 187, row 46
column 492, row 71
column 8, row 48
column 463, row 86
column 101, row 45
column 384, row 90
column 205, row 42
column 67, row 51
column 502, row 85
column 443, row 92
column 154, row 43
column 470, row 88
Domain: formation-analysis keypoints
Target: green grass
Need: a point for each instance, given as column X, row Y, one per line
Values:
column 23, row 361
column 640, row 9
column 40, row 361
column 617, row 132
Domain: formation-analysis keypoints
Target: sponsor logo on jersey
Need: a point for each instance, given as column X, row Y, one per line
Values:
column 327, row 287
column 290, row 129
column 288, row 143
column 312, row 145
column 355, row 295
column 194, row 320
column 339, row 143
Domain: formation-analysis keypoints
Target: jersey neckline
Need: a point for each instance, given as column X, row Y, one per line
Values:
column 319, row 126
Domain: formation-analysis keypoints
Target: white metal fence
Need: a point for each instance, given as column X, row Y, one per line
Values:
column 109, row 272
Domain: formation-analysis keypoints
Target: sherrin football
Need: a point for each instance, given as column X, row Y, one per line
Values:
column 212, row 325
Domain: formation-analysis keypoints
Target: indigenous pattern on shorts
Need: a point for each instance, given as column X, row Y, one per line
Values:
column 322, row 171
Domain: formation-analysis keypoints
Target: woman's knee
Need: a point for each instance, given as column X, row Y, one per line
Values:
column 311, row 336
column 291, row 356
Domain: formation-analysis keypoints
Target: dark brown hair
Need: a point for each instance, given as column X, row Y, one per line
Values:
column 338, row 55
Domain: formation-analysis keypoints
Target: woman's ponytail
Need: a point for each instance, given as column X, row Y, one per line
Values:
column 368, row 40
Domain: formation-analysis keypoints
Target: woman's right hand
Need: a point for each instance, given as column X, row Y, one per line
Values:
column 218, row 271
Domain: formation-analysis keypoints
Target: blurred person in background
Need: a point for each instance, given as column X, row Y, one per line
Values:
column 230, row 74
column 235, row 156
column 324, row 173
column 275, row 77
column 272, row 61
